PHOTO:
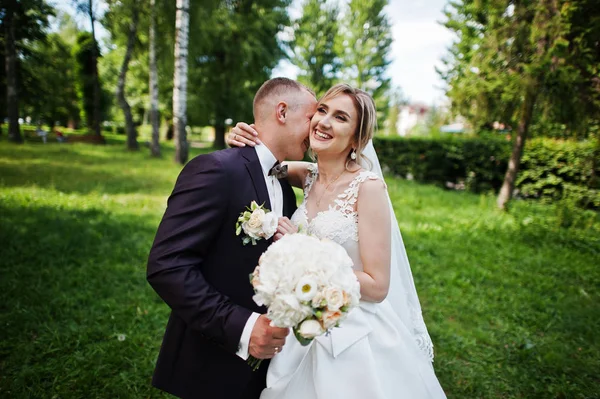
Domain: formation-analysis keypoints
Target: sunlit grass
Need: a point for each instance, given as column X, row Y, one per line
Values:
column 511, row 300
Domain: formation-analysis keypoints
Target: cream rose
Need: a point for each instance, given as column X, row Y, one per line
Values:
column 310, row 329
column 253, row 227
column 334, row 297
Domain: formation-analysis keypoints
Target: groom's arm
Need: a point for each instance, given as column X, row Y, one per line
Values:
column 196, row 211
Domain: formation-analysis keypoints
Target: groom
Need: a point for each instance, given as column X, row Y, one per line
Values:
column 199, row 266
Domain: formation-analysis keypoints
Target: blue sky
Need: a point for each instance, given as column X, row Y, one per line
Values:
column 419, row 44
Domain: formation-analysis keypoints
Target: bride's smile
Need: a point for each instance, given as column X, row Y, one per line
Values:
column 333, row 126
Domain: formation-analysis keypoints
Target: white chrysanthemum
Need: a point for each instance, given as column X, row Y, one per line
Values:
column 306, row 288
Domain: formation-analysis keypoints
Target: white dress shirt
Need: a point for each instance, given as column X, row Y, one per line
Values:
column 267, row 160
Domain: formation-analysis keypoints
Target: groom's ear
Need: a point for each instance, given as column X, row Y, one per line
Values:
column 281, row 111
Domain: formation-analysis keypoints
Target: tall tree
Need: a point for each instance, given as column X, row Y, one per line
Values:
column 237, row 46
column 524, row 63
column 22, row 22
column 315, row 45
column 48, row 81
column 545, row 32
column 123, row 16
column 83, row 54
column 87, row 8
column 180, row 79
column 12, row 99
column 366, row 48
column 154, row 118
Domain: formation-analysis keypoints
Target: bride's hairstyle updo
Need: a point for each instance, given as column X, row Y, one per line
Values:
column 367, row 117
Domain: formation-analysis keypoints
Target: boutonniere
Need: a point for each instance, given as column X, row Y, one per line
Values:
column 257, row 222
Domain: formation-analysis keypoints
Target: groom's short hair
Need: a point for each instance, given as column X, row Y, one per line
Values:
column 276, row 87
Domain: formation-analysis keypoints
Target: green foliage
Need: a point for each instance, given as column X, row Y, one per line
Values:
column 30, row 21
column 365, row 50
column 49, row 91
column 84, row 69
column 315, row 45
column 555, row 170
column 504, row 47
column 511, row 300
column 235, row 47
column 551, row 170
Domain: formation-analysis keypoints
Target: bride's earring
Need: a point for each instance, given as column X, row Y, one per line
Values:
column 353, row 155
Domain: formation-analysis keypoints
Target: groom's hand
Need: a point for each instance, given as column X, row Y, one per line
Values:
column 284, row 226
column 266, row 341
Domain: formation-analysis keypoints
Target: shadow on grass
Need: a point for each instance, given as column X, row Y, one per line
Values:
column 84, row 168
column 78, row 318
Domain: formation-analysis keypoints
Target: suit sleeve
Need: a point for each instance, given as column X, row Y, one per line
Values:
column 195, row 212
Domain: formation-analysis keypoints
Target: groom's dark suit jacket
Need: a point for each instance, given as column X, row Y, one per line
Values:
column 200, row 268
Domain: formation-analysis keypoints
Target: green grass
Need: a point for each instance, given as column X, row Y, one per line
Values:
column 511, row 300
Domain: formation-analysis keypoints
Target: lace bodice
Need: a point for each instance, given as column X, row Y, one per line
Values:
column 339, row 223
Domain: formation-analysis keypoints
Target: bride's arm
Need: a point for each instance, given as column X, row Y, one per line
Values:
column 374, row 226
column 297, row 171
column 243, row 134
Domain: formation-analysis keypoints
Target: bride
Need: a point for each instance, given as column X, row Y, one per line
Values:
column 382, row 350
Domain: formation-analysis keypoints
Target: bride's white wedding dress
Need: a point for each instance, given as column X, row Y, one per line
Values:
column 372, row 355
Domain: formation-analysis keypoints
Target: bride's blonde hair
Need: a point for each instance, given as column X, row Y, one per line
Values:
column 367, row 117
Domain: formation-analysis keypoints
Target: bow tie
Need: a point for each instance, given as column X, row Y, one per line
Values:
column 279, row 171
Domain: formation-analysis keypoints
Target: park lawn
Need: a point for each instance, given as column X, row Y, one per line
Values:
column 511, row 300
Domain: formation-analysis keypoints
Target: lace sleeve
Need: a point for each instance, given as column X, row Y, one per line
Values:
column 311, row 175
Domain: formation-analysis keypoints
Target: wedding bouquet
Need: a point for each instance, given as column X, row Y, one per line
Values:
column 307, row 284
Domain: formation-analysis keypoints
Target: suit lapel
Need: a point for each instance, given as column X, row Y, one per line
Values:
column 257, row 176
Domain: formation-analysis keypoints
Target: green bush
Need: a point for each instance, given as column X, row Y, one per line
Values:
column 551, row 170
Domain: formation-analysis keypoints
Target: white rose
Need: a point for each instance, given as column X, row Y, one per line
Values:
column 253, row 226
column 269, row 224
column 310, row 329
column 306, row 289
column 334, row 297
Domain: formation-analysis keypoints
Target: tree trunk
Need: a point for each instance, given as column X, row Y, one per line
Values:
column 515, row 159
column 130, row 128
column 12, row 97
column 219, row 142
column 96, row 123
column 154, row 119
column 169, row 136
column 180, row 80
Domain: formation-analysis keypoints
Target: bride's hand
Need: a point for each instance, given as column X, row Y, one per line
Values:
column 243, row 134
column 284, row 227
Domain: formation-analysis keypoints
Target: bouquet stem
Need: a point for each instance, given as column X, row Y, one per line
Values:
column 254, row 362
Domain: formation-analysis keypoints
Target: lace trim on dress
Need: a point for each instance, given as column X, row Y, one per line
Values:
column 420, row 333
column 340, row 222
